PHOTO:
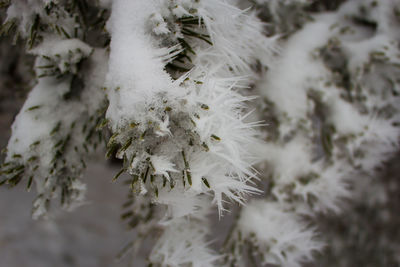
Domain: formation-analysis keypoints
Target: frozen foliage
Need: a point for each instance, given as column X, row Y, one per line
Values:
column 277, row 234
column 46, row 121
column 56, row 126
column 359, row 123
column 189, row 132
column 180, row 245
column 334, row 104
column 203, row 102
column 58, row 56
column 283, row 16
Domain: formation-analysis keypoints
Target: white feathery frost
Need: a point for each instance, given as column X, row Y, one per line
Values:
column 180, row 245
column 279, row 235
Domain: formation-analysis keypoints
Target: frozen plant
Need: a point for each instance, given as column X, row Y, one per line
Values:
column 206, row 103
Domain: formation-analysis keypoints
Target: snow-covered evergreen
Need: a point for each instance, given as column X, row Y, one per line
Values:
column 206, row 104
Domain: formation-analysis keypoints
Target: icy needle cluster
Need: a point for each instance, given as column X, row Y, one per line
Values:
column 181, row 134
column 176, row 110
